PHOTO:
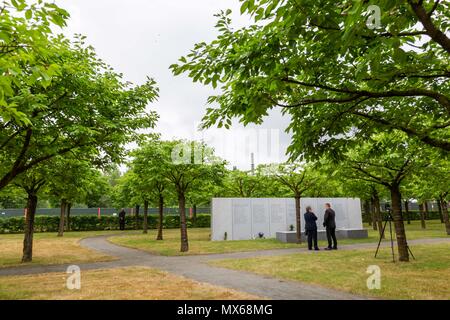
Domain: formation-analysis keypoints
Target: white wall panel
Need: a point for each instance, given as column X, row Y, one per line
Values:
column 244, row 218
column 260, row 215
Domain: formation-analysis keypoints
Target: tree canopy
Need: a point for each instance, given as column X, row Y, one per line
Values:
column 337, row 79
column 63, row 100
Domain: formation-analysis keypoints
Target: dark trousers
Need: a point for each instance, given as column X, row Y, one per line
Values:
column 331, row 235
column 122, row 224
column 312, row 236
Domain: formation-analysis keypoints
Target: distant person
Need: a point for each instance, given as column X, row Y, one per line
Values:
column 311, row 228
column 329, row 222
column 122, row 219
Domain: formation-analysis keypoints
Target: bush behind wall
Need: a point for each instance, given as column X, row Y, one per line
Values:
column 93, row 223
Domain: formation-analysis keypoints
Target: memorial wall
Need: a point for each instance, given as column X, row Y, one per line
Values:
column 245, row 218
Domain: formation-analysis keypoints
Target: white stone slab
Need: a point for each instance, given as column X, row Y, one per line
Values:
column 290, row 215
column 260, row 215
column 277, row 214
column 222, row 221
column 244, row 218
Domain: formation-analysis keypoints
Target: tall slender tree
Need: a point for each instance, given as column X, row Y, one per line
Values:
column 387, row 160
column 31, row 182
column 299, row 179
column 188, row 165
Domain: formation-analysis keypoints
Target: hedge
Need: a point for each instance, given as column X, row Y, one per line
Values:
column 93, row 223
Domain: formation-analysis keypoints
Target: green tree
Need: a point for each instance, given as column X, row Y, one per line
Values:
column 387, row 160
column 32, row 183
column 12, row 197
column 202, row 195
column 432, row 183
column 85, row 105
column 98, row 191
column 242, row 184
column 24, row 49
column 321, row 63
column 299, row 179
column 188, row 165
column 368, row 191
column 122, row 195
column 68, row 182
column 148, row 182
column 422, row 189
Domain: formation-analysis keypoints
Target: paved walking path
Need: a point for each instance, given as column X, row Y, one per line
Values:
column 196, row 268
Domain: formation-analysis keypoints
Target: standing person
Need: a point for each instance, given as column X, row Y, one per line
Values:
column 122, row 219
column 329, row 222
column 311, row 228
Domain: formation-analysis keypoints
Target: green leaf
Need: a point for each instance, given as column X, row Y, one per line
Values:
column 29, row 14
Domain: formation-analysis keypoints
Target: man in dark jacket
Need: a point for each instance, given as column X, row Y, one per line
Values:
column 122, row 219
column 329, row 222
column 311, row 228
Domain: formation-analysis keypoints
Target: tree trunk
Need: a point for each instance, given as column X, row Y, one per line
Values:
column 444, row 205
column 29, row 228
column 439, row 205
column 422, row 216
column 183, row 225
column 373, row 217
column 368, row 211
column 62, row 218
column 145, row 226
column 137, row 216
column 69, row 207
column 408, row 215
column 427, row 211
column 402, row 244
column 194, row 214
column 298, row 219
column 378, row 217
column 161, row 218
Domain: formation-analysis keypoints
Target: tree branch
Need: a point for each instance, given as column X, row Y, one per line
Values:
column 432, row 31
column 443, row 144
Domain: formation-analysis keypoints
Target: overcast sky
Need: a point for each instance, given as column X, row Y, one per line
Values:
column 141, row 38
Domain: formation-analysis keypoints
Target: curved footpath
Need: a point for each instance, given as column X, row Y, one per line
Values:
column 195, row 267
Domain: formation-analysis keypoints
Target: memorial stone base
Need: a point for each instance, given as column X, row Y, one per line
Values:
column 291, row 236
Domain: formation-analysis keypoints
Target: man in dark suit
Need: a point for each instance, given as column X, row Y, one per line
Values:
column 122, row 219
column 311, row 228
column 329, row 222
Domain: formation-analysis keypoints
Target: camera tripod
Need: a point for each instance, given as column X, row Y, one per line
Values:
column 389, row 220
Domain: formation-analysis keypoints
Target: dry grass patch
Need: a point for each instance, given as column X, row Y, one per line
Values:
column 50, row 249
column 134, row 283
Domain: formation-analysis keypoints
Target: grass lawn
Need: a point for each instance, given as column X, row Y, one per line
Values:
column 199, row 242
column 118, row 284
column 435, row 229
column 428, row 277
column 50, row 249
